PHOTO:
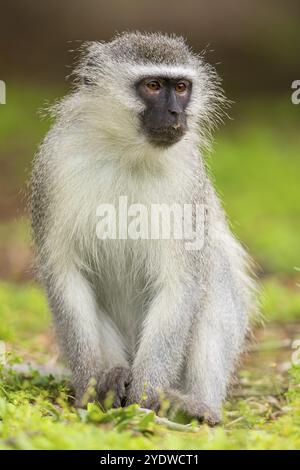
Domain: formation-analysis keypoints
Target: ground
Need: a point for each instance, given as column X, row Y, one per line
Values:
column 255, row 163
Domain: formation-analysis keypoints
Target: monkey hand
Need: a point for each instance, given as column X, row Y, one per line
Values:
column 114, row 381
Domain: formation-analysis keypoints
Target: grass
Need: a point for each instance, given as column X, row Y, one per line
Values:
column 280, row 300
column 23, row 312
column 37, row 412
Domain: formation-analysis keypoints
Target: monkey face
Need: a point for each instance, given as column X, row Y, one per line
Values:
column 164, row 118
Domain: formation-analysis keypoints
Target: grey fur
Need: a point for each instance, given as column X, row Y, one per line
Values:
column 173, row 320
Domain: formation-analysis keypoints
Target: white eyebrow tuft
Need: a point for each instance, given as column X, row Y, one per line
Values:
column 169, row 71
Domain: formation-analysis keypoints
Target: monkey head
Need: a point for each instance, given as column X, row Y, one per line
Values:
column 147, row 89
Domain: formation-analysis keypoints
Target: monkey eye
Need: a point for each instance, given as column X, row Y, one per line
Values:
column 180, row 87
column 153, row 85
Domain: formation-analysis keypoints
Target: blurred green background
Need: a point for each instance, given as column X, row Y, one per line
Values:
column 255, row 165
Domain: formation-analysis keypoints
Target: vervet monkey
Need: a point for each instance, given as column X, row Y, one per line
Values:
column 139, row 317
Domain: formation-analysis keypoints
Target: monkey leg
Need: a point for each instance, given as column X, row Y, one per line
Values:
column 88, row 339
column 217, row 341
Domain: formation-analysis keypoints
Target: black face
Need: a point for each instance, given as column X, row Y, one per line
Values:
column 164, row 119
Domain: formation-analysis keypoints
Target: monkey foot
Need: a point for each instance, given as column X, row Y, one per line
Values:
column 203, row 413
column 193, row 408
column 115, row 381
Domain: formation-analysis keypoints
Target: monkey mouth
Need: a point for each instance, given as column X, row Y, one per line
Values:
column 166, row 136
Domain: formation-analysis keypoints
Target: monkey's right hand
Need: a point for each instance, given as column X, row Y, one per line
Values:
column 114, row 381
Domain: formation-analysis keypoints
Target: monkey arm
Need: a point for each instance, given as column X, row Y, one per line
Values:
column 159, row 359
column 84, row 333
